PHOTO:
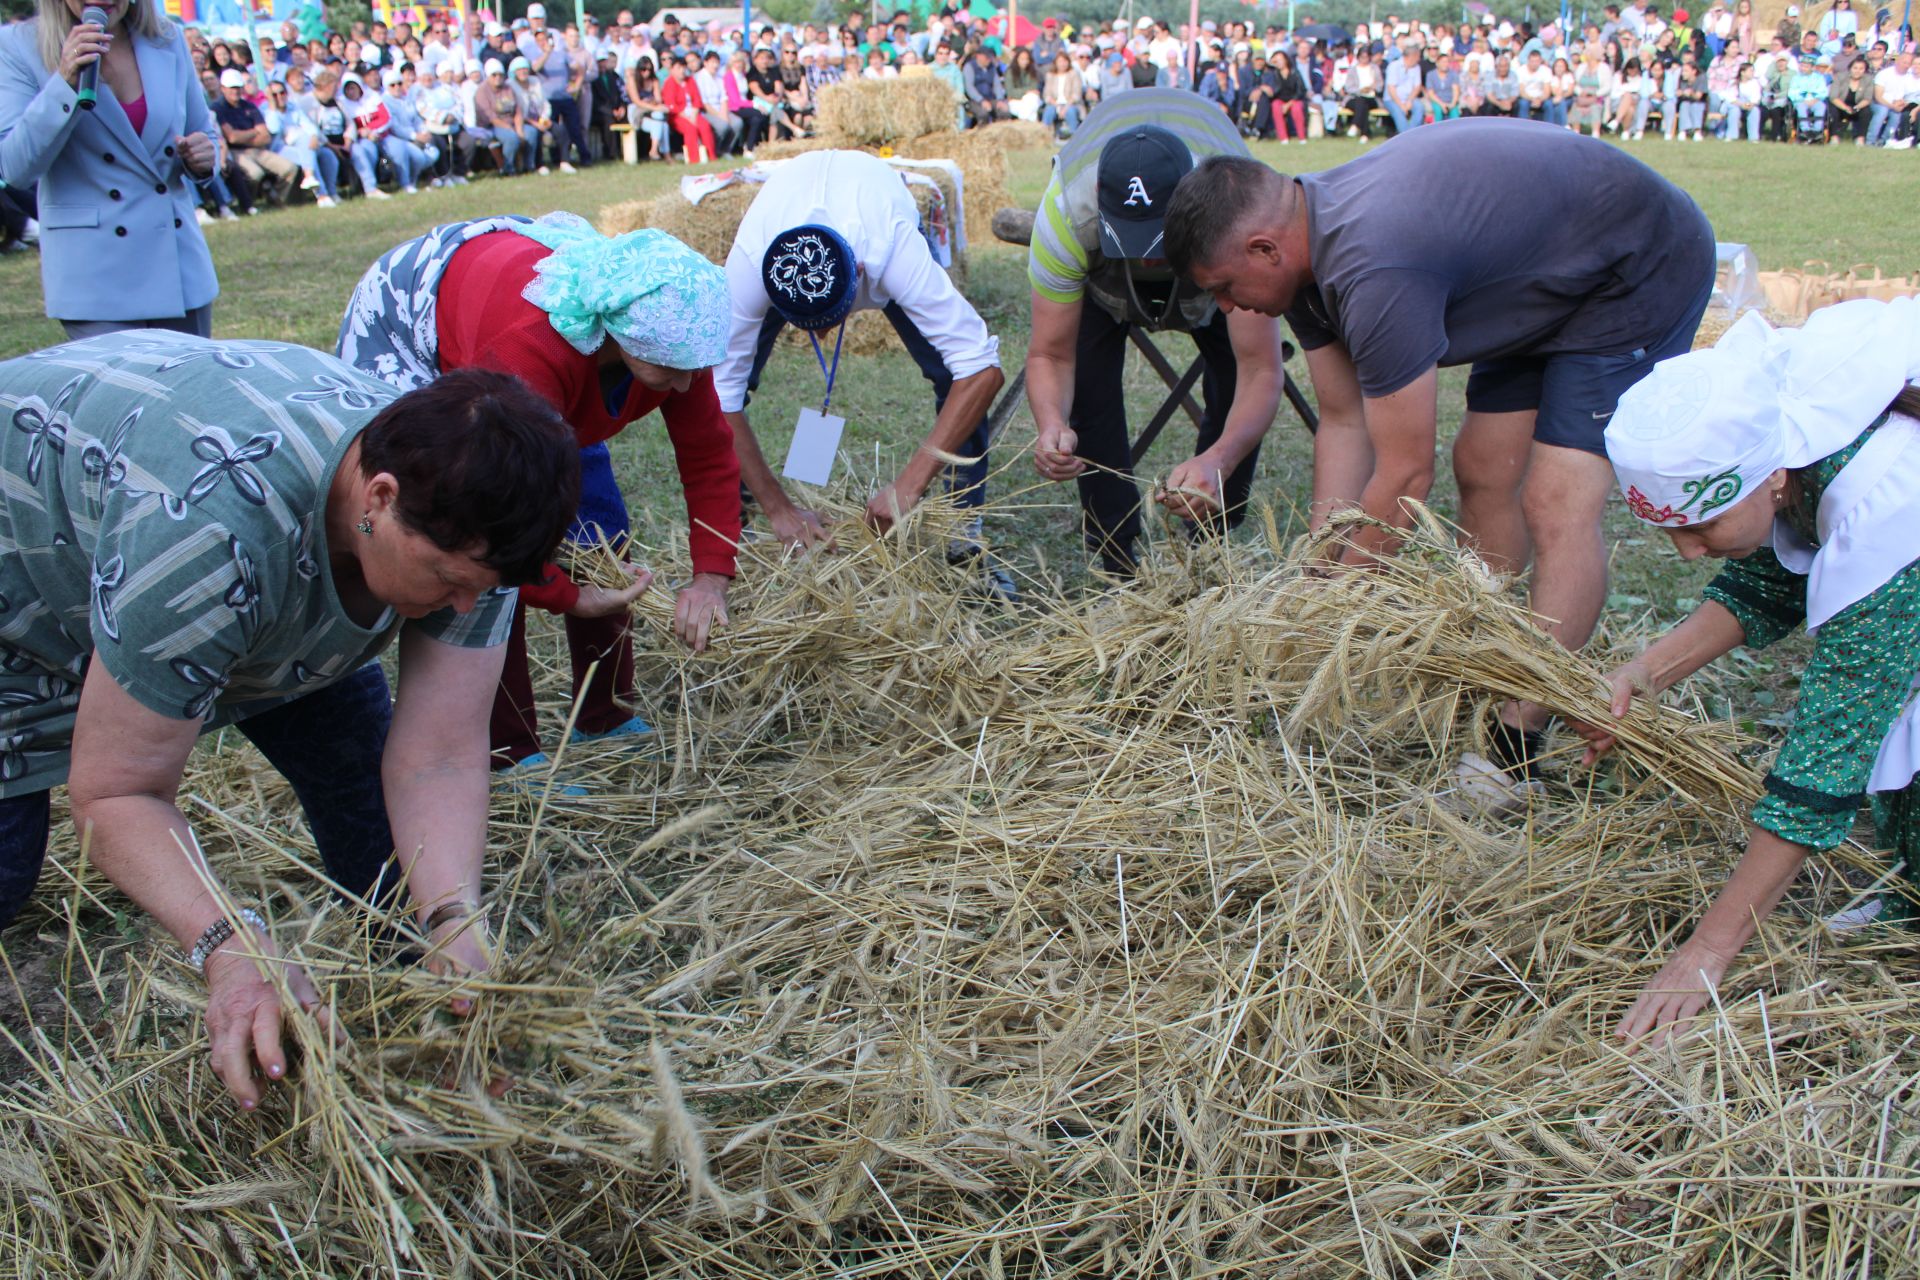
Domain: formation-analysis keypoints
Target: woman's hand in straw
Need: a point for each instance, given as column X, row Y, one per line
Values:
column 1192, row 490
column 1623, row 683
column 461, row 948
column 1681, row 989
column 244, row 1013
column 1053, row 453
column 889, row 506
column 702, row 606
column 605, row 602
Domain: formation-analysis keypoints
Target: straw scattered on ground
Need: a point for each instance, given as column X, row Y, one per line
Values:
column 1131, row 935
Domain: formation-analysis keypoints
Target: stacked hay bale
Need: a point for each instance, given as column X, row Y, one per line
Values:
column 1111, row 937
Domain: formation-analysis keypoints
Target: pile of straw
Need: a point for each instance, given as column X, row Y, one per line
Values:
column 875, row 113
column 1128, row 936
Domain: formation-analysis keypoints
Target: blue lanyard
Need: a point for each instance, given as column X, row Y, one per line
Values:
column 831, row 373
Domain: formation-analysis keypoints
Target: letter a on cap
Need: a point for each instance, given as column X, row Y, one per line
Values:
column 1137, row 192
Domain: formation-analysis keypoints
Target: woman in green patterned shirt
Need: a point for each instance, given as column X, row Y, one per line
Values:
column 199, row 533
column 1794, row 455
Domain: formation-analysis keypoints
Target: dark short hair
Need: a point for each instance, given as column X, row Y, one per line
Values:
column 482, row 462
column 1216, row 197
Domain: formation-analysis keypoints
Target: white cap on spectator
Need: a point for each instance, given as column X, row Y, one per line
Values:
column 1103, row 43
column 450, row 69
column 1145, row 24
column 1793, row 11
column 493, row 29
column 232, row 79
column 494, row 67
column 536, row 10
column 518, row 63
column 391, row 77
column 1209, row 25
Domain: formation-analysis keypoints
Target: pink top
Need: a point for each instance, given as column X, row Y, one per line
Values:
column 136, row 112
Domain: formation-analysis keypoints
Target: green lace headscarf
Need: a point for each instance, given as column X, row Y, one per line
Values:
column 661, row 301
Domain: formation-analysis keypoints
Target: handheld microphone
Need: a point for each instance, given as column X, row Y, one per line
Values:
column 89, row 91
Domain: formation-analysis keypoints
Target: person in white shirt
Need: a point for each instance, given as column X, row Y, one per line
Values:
column 830, row 233
column 711, row 83
column 443, row 111
column 1536, row 84
column 1896, row 91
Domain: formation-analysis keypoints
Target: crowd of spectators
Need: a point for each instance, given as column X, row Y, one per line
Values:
column 372, row 109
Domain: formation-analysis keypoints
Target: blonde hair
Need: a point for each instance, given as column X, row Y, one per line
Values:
column 55, row 22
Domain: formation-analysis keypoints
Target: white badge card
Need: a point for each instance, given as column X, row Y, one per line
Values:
column 816, row 442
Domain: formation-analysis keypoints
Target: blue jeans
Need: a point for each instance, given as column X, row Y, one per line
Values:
column 1880, row 126
column 1811, row 116
column 327, row 743
column 654, row 125
column 1405, row 120
column 1736, row 114
column 326, row 167
column 1556, row 112
column 1693, row 116
column 365, row 154
column 1051, row 115
column 566, row 110
column 508, row 141
column 967, row 484
column 410, row 160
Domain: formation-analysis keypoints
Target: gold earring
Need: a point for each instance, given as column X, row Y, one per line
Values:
column 366, row 525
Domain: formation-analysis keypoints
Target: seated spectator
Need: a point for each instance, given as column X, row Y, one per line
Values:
column 767, row 95
column 877, row 67
column 753, row 121
column 497, row 115
column 1406, row 90
column 1444, row 89
column 1473, row 85
column 1289, row 99
column 1850, row 104
column 1690, row 100
column 684, row 113
column 796, row 88
column 1896, row 92
column 1744, row 111
column 1216, row 86
column 296, row 138
column 1808, row 91
column 1065, row 97
column 407, row 145
column 607, row 102
column 1023, row 86
column 1560, row 97
column 1362, row 92
column 647, row 109
column 544, row 137
column 986, row 89
column 1504, row 95
column 1591, row 82
column 444, row 112
column 367, row 123
column 711, row 84
column 1774, row 103
column 948, row 72
column 1536, row 85
column 1115, row 77
column 249, row 142
column 1632, row 87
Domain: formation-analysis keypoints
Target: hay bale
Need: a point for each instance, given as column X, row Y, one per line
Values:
column 873, row 113
column 618, row 219
column 983, row 163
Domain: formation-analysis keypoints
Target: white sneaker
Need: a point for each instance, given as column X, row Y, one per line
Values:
column 566, row 168
column 202, row 217
column 1899, row 144
column 543, row 171
column 1491, row 790
column 1352, row 132
column 30, row 234
column 227, row 214
column 308, row 181
column 409, row 191
column 326, row 201
column 378, row 194
column 254, row 211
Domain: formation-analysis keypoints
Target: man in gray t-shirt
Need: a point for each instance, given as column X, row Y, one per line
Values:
column 1557, row 267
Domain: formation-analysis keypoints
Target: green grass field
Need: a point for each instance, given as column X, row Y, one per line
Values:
column 286, row 275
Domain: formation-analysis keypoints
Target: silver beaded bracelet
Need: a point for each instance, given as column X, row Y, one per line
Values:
column 218, row 932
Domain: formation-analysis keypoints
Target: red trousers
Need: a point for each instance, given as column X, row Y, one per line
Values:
column 1294, row 113
column 695, row 133
column 604, row 700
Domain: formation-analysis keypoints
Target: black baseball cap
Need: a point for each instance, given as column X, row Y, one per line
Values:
column 1138, row 171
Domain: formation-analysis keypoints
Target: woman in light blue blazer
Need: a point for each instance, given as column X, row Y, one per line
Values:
column 119, row 245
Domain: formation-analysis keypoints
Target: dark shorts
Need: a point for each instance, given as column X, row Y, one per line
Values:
column 1575, row 394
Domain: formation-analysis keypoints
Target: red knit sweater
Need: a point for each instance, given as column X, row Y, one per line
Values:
column 484, row 323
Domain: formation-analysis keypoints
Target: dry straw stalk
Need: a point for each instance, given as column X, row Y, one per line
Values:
column 1123, row 936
